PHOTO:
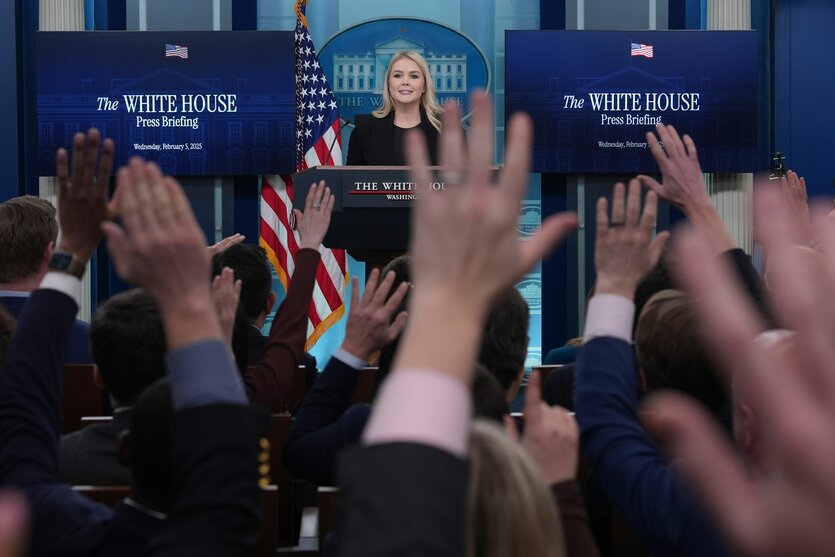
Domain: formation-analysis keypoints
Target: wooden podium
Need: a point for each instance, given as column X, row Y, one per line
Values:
column 371, row 212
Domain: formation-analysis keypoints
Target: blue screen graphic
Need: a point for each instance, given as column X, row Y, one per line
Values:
column 197, row 103
column 593, row 96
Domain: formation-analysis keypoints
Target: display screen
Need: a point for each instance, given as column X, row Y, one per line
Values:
column 593, row 96
column 197, row 103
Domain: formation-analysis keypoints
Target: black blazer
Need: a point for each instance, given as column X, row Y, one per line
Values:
column 372, row 141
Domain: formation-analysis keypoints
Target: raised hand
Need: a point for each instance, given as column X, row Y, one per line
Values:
column 226, row 243
column 226, row 291
column 464, row 246
column 82, row 193
column 793, row 189
column 551, row 435
column 314, row 222
column 790, row 511
column 466, row 237
column 160, row 247
column 684, row 183
column 370, row 326
column 623, row 254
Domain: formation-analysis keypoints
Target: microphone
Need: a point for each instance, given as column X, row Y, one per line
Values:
column 342, row 123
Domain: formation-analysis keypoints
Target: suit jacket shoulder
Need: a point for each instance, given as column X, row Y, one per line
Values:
column 79, row 348
column 323, row 428
column 216, row 470
column 90, row 456
column 627, row 463
column 416, row 495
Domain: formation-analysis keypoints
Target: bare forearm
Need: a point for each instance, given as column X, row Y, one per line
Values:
column 190, row 320
column 450, row 332
column 704, row 217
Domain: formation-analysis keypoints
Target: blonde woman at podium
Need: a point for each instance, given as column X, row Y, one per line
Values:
column 408, row 102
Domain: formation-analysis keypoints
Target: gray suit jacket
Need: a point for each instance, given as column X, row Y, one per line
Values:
column 89, row 456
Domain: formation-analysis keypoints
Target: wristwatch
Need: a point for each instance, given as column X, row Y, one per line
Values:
column 66, row 262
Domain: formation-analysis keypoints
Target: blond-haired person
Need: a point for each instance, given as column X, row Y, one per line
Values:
column 408, row 102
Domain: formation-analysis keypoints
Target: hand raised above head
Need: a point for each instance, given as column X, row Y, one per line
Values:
column 551, row 435
column 82, row 193
column 623, row 254
column 683, row 180
column 465, row 246
column 370, row 325
column 226, row 291
column 465, row 239
column 793, row 189
column 788, row 512
column 160, row 246
column 225, row 244
column 314, row 222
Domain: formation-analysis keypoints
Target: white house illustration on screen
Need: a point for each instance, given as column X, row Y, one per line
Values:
column 365, row 73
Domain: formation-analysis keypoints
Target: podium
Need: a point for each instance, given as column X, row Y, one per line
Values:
column 371, row 213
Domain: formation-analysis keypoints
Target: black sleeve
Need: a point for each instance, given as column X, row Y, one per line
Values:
column 217, row 499
column 403, row 499
column 356, row 143
column 753, row 285
column 321, row 428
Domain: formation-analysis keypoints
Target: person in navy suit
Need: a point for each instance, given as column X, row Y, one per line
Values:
column 28, row 232
column 195, row 444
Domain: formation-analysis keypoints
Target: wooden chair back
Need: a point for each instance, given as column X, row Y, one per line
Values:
column 108, row 495
column 287, row 524
column 365, row 386
column 545, row 370
column 328, row 503
column 268, row 538
column 82, row 397
column 90, row 420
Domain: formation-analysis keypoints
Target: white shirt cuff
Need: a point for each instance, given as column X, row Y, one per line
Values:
column 65, row 283
column 610, row 315
column 422, row 406
column 347, row 358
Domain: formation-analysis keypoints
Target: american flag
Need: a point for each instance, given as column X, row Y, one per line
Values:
column 176, row 50
column 318, row 143
column 644, row 50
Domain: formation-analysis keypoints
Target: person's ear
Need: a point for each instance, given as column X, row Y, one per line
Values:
column 47, row 252
column 123, row 447
column 270, row 302
column 98, row 379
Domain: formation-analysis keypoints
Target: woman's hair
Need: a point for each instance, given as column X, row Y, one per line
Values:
column 428, row 100
column 510, row 510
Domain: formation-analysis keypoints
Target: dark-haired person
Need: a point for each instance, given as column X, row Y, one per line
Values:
column 277, row 356
column 326, row 423
column 201, row 495
column 128, row 344
column 504, row 343
column 28, row 232
column 254, row 270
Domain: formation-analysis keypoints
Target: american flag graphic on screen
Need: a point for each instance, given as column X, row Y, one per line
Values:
column 644, row 50
column 318, row 143
column 176, row 51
